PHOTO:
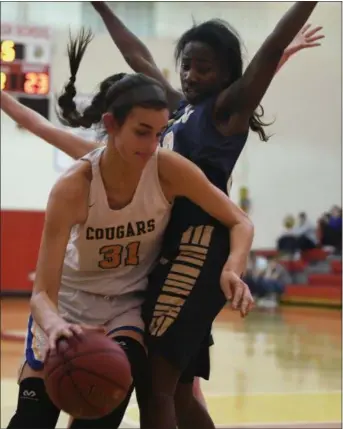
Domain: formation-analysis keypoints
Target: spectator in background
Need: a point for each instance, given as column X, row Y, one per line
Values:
column 298, row 238
column 266, row 280
column 306, row 233
column 286, row 241
column 274, row 280
column 257, row 265
column 330, row 229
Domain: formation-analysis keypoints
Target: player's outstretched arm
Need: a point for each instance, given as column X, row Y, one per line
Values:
column 307, row 37
column 134, row 51
column 72, row 145
column 243, row 96
column 180, row 177
column 67, row 206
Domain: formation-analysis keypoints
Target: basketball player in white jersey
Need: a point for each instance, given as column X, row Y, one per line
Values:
column 105, row 219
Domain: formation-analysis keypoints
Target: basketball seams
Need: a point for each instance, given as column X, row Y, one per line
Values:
column 79, row 391
column 96, row 374
column 76, row 389
column 69, row 373
column 81, row 354
column 67, row 365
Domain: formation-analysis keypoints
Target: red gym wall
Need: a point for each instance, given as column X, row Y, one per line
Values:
column 20, row 238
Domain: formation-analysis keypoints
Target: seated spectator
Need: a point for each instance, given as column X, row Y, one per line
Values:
column 330, row 229
column 285, row 242
column 253, row 276
column 273, row 282
column 296, row 239
column 266, row 280
column 305, row 233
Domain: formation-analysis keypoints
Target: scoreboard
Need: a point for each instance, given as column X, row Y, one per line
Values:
column 25, row 65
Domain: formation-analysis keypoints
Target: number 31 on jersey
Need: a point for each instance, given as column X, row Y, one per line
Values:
column 116, row 255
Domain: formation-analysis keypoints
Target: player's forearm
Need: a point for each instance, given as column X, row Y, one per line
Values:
column 285, row 57
column 44, row 311
column 241, row 238
column 129, row 45
column 21, row 114
column 289, row 25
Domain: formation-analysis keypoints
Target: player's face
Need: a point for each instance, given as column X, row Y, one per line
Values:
column 200, row 74
column 138, row 138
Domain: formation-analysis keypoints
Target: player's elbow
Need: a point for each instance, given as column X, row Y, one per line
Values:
column 38, row 294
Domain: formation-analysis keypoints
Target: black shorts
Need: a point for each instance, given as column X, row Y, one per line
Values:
column 184, row 297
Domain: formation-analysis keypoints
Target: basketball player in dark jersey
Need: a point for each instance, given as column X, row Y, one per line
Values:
column 210, row 127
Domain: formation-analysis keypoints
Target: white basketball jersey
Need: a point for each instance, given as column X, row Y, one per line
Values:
column 114, row 251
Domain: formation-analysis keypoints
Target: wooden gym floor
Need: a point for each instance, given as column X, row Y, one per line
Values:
column 274, row 369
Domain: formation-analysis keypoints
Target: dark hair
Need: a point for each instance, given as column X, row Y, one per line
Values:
column 225, row 42
column 111, row 96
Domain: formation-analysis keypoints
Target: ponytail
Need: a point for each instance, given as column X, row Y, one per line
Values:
column 256, row 124
column 69, row 115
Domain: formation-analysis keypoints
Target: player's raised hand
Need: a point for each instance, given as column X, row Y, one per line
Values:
column 307, row 37
column 236, row 291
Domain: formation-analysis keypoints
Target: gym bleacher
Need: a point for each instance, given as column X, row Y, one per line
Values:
column 316, row 277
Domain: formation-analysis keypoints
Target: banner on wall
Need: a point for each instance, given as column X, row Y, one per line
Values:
column 61, row 160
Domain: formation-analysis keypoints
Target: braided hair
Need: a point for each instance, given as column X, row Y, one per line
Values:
column 115, row 95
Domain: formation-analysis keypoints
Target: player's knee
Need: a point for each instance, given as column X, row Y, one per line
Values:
column 34, row 407
column 135, row 353
column 138, row 359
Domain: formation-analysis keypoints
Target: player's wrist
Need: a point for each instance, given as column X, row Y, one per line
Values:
column 52, row 323
column 236, row 264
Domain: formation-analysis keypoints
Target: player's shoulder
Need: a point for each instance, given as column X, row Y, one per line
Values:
column 167, row 157
column 73, row 184
column 171, row 163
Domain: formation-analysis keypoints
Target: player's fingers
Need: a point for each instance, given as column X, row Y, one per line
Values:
column 238, row 294
column 315, row 38
column 305, row 28
column 65, row 332
column 312, row 45
column 251, row 305
column 76, row 329
column 52, row 342
column 314, row 30
column 247, row 302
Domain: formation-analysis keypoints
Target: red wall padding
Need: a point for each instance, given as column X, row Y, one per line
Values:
column 20, row 239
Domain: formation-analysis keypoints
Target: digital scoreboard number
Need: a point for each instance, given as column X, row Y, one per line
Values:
column 25, row 65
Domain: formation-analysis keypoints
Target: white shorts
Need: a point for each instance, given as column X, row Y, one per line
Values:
column 113, row 312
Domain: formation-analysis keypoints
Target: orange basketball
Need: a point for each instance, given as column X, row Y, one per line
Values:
column 88, row 376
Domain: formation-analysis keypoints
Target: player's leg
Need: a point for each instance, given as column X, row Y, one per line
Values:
column 184, row 297
column 190, row 411
column 202, row 361
column 34, row 409
column 198, row 393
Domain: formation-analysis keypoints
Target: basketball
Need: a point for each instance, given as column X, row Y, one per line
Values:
column 87, row 376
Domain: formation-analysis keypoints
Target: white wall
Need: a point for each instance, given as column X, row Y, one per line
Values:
column 299, row 169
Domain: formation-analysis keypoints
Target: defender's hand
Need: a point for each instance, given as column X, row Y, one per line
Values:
column 237, row 291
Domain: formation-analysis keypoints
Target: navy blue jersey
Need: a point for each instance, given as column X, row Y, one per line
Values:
column 192, row 133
